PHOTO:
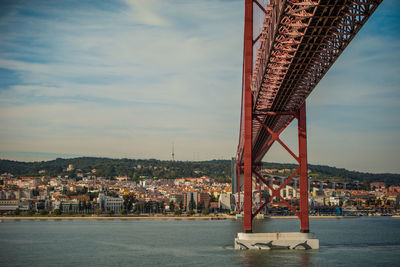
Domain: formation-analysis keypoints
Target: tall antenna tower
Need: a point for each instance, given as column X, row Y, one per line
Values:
column 173, row 154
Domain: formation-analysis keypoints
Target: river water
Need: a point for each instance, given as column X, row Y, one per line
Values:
column 365, row 241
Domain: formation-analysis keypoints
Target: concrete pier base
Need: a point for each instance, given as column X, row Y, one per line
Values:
column 292, row 240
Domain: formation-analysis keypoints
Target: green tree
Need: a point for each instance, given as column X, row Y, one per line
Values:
column 181, row 205
column 178, row 212
column 98, row 212
column 148, row 206
column 172, row 206
column 110, row 212
column 84, row 207
column 205, row 212
column 200, row 206
column 129, row 199
column 17, row 211
column 192, row 204
column 80, row 207
column 89, row 207
column 43, row 212
column 57, row 212
column 162, row 207
column 190, row 212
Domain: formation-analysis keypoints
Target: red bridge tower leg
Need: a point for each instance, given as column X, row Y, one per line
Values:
column 247, row 157
column 302, row 132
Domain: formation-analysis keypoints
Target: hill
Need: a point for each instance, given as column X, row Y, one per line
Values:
column 142, row 168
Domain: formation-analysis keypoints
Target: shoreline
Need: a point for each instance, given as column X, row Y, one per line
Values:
column 115, row 218
column 160, row 218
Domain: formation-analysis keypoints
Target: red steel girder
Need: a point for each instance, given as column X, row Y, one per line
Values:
column 247, row 157
column 302, row 134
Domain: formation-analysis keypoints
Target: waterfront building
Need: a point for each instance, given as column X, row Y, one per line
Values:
column 225, row 201
column 191, row 198
column 7, row 205
column 203, row 200
column 67, row 206
column 107, row 203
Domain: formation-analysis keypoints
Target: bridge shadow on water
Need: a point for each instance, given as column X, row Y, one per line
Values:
column 276, row 258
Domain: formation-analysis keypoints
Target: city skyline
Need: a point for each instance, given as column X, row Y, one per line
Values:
column 128, row 78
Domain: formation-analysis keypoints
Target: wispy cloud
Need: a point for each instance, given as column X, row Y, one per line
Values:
column 127, row 78
column 148, row 12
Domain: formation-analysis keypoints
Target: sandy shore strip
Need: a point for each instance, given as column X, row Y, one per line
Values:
column 396, row 216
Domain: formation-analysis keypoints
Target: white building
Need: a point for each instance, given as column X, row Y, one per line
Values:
column 224, row 201
column 107, row 203
column 334, row 200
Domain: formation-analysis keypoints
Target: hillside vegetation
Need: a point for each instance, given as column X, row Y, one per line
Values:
column 143, row 168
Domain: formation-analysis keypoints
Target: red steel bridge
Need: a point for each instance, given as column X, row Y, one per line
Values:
column 289, row 45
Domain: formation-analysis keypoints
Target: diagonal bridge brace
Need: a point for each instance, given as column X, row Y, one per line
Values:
column 275, row 193
column 275, row 137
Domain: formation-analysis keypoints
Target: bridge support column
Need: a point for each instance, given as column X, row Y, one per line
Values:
column 248, row 98
column 302, row 133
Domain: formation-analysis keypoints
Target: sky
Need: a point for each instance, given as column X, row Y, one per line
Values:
column 130, row 78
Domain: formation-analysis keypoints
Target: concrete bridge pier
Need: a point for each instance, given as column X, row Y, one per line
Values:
column 275, row 241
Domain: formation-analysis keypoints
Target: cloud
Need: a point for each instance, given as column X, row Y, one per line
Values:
column 148, row 12
column 127, row 78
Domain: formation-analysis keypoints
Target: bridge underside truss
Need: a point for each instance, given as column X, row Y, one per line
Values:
column 298, row 42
